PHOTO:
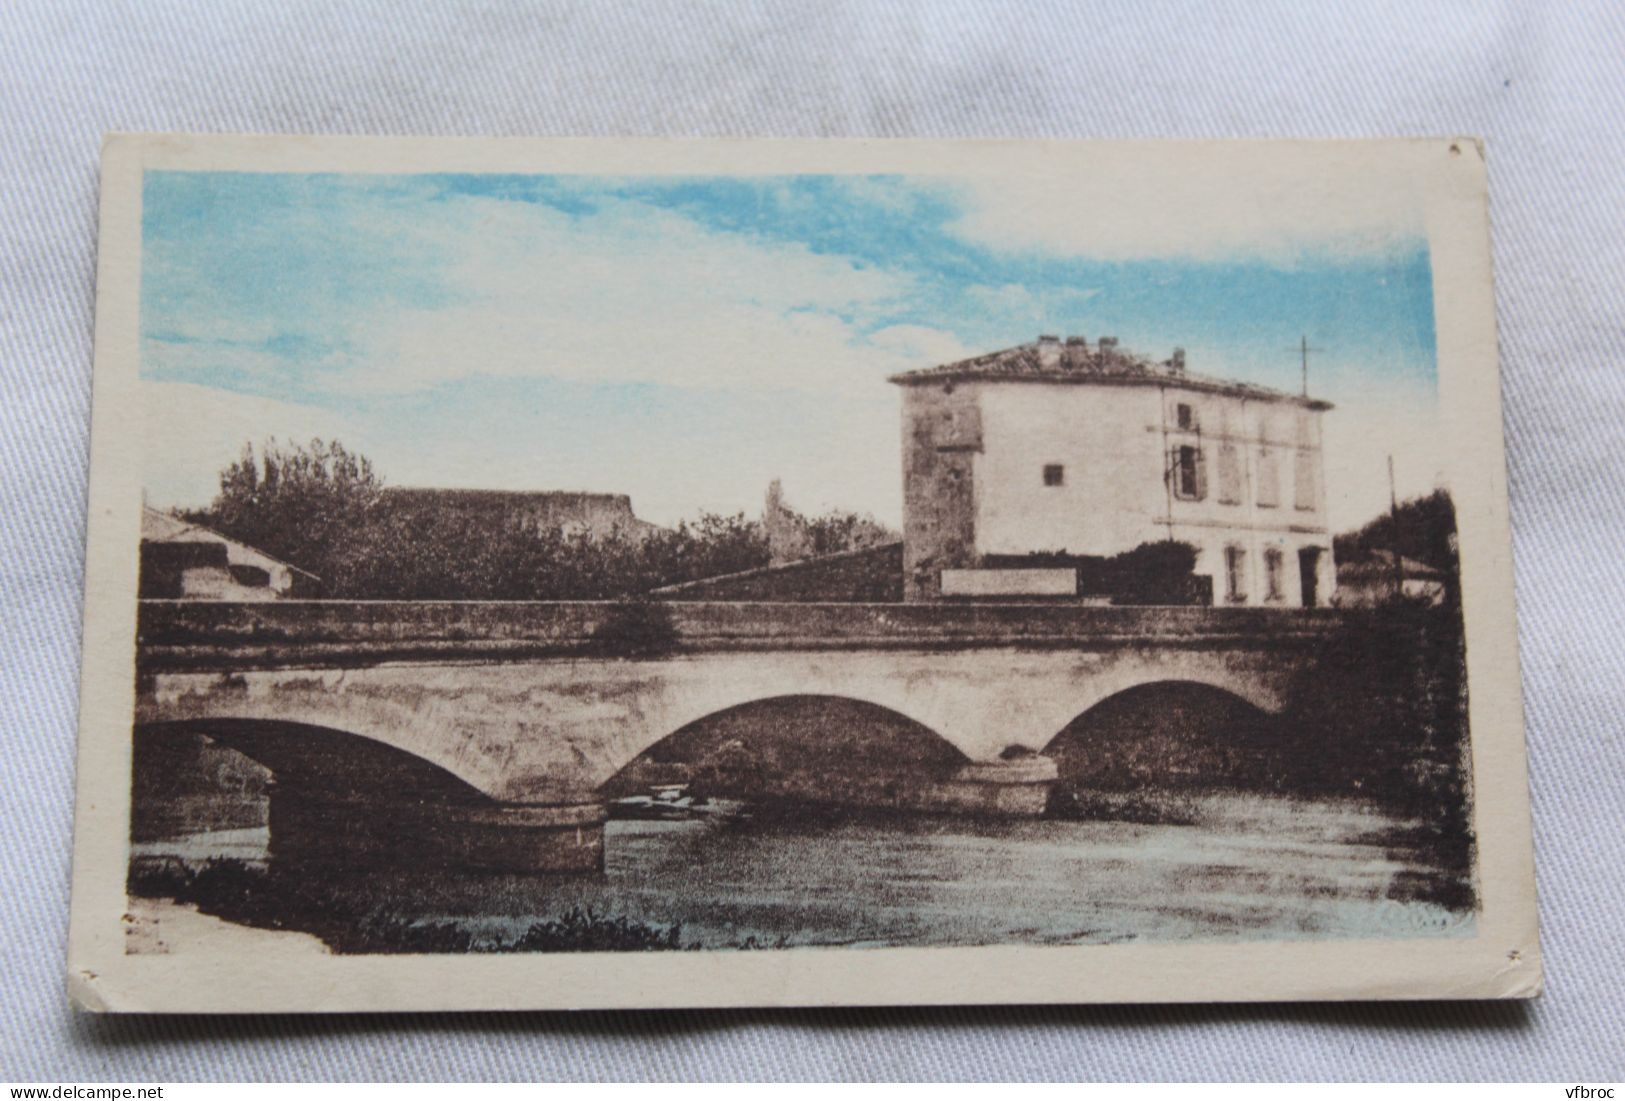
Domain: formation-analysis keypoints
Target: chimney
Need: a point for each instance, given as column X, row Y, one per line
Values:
column 1177, row 362
column 1049, row 351
column 1077, row 351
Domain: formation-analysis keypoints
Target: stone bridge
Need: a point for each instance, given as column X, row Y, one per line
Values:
column 484, row 732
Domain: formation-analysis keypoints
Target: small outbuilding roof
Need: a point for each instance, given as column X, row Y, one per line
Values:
column 1048, row 359
column 164, row 527
column 1379, row 565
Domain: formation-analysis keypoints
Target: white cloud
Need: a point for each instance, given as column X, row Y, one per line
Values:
column 199, row 356
column 1152, row 205
column 1017, row 303
column 633, row 293
column 919, row 344
column 890, row 193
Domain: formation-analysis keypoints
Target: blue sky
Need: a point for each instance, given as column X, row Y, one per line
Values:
column 686, row 340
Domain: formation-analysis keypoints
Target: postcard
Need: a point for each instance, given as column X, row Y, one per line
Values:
column 637, row 573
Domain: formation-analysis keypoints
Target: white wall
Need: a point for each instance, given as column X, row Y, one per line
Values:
column 1114, row 445
column 1109, row 444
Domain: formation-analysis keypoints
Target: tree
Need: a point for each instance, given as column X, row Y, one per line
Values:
column 323, row 508
column 1426, row 531
column 792, row 536
column 1422, row 528
column 306, row 504
column 837, row 531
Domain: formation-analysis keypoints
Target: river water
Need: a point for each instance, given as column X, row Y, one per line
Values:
column 1234, row 867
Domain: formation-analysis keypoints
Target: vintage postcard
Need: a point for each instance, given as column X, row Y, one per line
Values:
column 602, row 573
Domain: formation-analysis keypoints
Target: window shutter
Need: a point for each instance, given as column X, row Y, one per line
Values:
column 1269, row 478
column 1229, row 475
column 1201, row 474
column 1304, row 470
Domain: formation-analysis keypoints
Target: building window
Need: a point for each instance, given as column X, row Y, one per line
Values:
column 1229, row 475
column 1235, row 574
column 1054, row 474
column 1269, row 479
column 1272, row 575
column 1190, row 480
column 1186, row 417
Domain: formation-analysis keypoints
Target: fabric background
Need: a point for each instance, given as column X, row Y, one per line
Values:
column 1544, row 84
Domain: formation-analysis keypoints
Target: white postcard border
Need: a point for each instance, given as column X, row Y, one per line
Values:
column 1501, row 959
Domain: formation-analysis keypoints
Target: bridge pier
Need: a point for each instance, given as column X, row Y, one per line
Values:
column 1018, row 788
column 346, row 832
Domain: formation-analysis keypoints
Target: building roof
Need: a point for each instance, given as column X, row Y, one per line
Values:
column 598, row 512
column 165, row 527
column 1075, row 361
column 819, row 578
column 1380, row 566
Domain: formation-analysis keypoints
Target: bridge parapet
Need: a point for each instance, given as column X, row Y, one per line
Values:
column 196, row 634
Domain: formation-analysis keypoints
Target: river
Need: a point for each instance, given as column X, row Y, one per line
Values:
column 1234, row 867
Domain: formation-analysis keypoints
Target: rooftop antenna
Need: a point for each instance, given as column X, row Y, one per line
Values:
column 1303, row 350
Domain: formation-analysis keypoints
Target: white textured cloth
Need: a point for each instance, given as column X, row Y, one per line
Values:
column 1545, row 83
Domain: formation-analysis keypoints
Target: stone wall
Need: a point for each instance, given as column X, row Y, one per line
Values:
column 599, row 515
column 874, row 575
column 942, row 435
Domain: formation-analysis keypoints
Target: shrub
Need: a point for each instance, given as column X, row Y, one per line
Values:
column 636, row 629
column 1386, row 700
column 579, row 930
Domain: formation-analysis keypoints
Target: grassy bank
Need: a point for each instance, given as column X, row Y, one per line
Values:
column 250, row 894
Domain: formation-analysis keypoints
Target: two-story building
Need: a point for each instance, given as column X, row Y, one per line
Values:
column 1063, row 448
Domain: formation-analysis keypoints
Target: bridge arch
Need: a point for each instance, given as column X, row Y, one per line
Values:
column 399, row 707
column 1174, row 734
column 826, row 747
column 322, row 758
column 337, row 798
column 1133, row 672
